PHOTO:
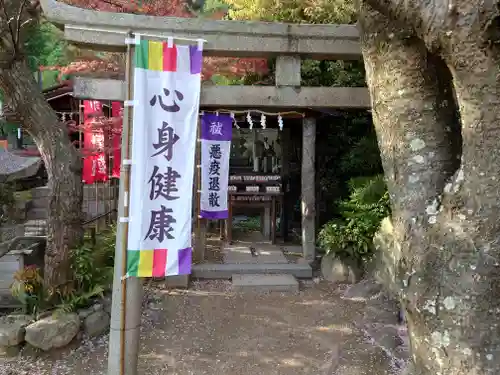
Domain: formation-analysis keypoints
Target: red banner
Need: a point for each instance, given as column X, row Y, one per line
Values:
column 116, row 142
column 94, row 162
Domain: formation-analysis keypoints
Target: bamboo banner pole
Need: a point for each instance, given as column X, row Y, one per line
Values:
column 200, row 251
column 127, row 127
column 127, row 292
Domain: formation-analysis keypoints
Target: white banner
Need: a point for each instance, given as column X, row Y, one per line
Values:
column 216, row 134
column 166, row 96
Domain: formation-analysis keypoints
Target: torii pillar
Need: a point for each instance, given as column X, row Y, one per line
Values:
column 308, row 189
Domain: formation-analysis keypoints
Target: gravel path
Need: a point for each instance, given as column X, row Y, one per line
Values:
column 209, row 330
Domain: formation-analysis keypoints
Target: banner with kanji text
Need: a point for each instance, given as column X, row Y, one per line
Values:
column 94, row 162
column 116, row 137
column 216, row 133
column 167, row 80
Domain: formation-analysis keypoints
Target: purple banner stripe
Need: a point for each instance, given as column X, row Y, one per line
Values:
column 214, row 215
column 196, row 59
column 185, row 259
column 216, row 128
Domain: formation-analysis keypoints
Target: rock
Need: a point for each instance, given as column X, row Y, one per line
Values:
column 97, row 307
column 29, row 351
column 82, row 314
column 54, row 331
column 389, row 338
column 96, row 323
column 10, row 351
column 107, row 303
column 12, row 329
column 336, row 270
column 363, row 291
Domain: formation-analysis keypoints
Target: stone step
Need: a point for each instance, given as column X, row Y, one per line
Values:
column 40, row 202
column 42, row 191
column 265, row 283
column 35, row 234
column 226, row 271
column 37, row 214
column 243, row 255
column 35, row 228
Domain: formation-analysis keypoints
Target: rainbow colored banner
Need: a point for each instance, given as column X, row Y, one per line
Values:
column 159, row 57
column 153, row 263
column 167, row 83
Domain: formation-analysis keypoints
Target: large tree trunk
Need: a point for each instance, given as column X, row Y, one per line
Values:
column 63, row 165
column 451, row 273
column 415, row 119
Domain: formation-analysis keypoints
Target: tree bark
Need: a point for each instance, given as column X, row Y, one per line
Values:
column 63, row 165
column 451, row 280
column 415, row 119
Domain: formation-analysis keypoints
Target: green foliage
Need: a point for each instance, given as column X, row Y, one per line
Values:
column 77, row 299
column 363, row 158
column 45, row 46
column 92, row 267
column 333, row 73
column 211, row 6
column 7, row 201
column 28, row 288
column 295, row 11
column 346, row 147
column 351, row 236
column 314, row 73
column 90, row 281
column 219, row 79
column 249, row 225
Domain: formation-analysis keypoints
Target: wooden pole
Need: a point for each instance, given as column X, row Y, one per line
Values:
column 127, row 292
column 127, row 127
column 229, row 221
column 199, row 254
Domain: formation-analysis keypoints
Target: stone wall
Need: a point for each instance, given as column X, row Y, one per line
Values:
column 10, row 231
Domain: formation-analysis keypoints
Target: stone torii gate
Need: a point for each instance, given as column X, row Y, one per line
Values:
column 288, row 43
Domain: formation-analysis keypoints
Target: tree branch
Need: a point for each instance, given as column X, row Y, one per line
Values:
column 436, row 21
column 18, row 21
column 429, row 19
column 9, row 23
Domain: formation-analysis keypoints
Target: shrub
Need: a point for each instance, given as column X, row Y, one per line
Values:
column 351, row 235
column 92, row 267
column 28, row 288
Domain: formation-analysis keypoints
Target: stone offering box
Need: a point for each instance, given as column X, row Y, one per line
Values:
column 17, row 254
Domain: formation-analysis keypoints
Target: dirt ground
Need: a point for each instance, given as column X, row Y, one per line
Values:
column 210, row 330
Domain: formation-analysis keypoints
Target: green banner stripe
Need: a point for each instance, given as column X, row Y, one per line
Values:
column 133, row 258
column 141, row 55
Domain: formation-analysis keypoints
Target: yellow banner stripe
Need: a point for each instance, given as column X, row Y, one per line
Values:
column 146, row 263
column 155, row 56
